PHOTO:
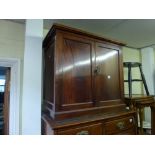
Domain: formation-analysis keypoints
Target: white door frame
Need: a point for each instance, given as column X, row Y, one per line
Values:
column 14, row 64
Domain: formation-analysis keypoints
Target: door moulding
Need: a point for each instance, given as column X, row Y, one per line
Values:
column 14, row 64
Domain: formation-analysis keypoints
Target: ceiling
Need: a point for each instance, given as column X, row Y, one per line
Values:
column 136, row 33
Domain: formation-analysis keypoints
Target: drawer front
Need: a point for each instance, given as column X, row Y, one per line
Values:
column 128, row 132
column 94, row 129
column 119, row 125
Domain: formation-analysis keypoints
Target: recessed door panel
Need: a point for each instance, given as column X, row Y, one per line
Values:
column 107, row 77
column 76, row 69
column 49, row 74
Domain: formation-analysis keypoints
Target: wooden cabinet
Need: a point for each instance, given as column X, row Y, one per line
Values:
column 82, row 77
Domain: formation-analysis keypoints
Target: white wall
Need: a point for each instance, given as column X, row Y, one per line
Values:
column 132, row 55
column 12, row 36
column 45, row 31
column 12, row 43
column 148, row 64
column 32, row 81
column 11, row 39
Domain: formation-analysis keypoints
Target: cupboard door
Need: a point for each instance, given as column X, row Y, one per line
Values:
column 75, row 72
column 107, row 79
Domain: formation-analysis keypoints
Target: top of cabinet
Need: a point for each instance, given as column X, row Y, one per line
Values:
column 80, row 32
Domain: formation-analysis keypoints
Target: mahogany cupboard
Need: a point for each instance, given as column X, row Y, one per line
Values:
column 83, row 85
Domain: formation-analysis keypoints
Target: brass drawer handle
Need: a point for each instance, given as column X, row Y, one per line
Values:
column 83, row 133
column 120, row 125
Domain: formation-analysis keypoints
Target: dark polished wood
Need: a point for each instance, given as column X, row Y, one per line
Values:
column 127, row 132
column 83, row 76
column 79, row 32
column 49, row 74
column 91, row 129
column 138, row 102
column 109, row 121
column 75, row 72
column 131, row 101
column 107, row 62
column 120, row 125
column 153, row 120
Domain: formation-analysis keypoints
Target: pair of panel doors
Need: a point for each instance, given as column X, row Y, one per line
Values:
column 87, row 72
column 90, row 71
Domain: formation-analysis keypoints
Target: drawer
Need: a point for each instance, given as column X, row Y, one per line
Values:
column 117, row 126
column 128, row 132
column 93, row 129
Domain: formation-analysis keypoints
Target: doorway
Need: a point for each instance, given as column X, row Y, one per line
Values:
column 13, row 96
column 4, row 99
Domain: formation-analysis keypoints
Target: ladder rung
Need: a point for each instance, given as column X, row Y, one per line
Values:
column 133, row 80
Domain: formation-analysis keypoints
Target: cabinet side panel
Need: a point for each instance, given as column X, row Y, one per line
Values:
column 49, row 75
